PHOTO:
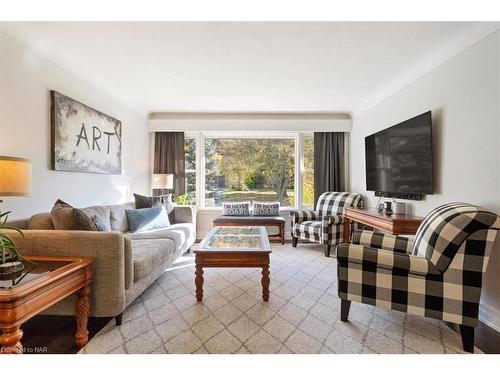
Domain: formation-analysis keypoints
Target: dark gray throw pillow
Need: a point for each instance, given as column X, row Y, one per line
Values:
column 143, row 201
column 66, row 217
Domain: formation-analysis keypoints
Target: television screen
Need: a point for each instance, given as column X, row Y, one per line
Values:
column 399, row 159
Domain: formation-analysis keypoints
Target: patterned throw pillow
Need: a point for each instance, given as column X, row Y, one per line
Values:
column 236, row 208
column 66, row 217
column 143, row 219
column 142, row 201
column 266, row 208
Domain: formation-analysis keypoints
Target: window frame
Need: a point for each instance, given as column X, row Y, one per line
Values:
column 200, row 137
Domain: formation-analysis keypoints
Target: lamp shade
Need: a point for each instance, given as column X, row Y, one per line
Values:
column 15, row 177
column 163, row 181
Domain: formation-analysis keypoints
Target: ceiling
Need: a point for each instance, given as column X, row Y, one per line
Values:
column 249, row 66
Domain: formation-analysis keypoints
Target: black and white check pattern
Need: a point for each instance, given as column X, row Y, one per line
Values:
column 438, row 275
column 325, row 224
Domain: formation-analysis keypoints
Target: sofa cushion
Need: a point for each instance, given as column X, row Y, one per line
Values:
column 147, row 255
column 118, row 217
column 41, row 221
column 66, row 217
column 183, row 235
column 102, row 212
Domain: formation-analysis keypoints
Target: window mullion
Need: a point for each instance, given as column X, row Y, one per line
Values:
column 299, row 167
column 200, row 170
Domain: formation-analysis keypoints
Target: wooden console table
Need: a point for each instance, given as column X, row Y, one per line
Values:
column 394, row 224
column 53, row 279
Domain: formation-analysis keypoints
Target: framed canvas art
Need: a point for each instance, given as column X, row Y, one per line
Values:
column 84, row 139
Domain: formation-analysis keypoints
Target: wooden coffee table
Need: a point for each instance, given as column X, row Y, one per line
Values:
column 53, row 279
column 234, row 247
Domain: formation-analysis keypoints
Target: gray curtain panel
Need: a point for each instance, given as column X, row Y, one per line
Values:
column 169, row 158
column 329, row 163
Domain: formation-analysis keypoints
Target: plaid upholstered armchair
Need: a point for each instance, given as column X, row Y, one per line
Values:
column 325, row 224
column 437, row 275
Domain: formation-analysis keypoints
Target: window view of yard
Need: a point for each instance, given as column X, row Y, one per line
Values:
column 190, row 168
column 242, row 169
column 308, row 183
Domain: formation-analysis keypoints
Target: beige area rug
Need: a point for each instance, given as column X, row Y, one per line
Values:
column 302, row 315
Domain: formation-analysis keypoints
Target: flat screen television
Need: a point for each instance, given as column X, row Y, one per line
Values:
column 399, row 159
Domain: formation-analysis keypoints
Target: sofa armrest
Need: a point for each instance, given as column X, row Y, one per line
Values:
column 398, row 244
column 107, row 249
column 332, row 220
column 298, row 216
column 184, row 214
column 379, row 258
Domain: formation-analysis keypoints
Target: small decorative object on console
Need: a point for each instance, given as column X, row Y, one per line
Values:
column 388, row 208
column 399, row 208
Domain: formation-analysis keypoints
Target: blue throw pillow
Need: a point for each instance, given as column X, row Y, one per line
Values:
column 147, row 218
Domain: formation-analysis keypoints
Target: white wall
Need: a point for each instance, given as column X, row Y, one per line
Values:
column 463, row 95
column 25, row 82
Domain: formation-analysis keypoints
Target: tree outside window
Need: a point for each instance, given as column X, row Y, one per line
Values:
column 308, row 190
column 249, row 169
column 190, row 168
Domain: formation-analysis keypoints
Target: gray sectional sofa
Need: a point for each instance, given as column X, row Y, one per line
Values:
column 125, row 263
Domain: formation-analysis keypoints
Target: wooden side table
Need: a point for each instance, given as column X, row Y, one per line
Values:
column 394, row 224
column 53, row 279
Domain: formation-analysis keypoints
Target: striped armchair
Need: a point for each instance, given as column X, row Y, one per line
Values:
column 325, row 224
column 437, row 275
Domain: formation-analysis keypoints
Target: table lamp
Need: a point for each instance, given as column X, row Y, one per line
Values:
column 15, row 177
column 15, row 181
column 163, row 181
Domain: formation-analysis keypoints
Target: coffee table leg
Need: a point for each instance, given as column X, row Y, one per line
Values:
column 265, row 283
column 10, row 340
column 198, row 280
column 82, row 310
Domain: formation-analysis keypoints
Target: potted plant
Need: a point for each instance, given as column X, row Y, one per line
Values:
column 11, row 265
column 182, row 199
